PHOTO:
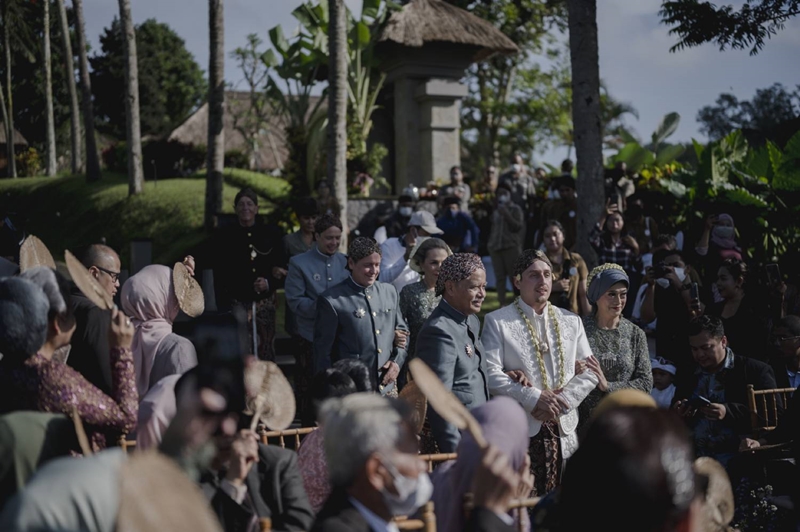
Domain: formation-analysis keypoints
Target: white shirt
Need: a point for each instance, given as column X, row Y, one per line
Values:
column 663, row 397
column 375, row 523
column 508, row 345
column 394, row 266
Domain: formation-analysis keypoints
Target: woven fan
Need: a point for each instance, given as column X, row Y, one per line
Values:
column 156, row 495
column 444, row 402
column 188, row 291
column 87, row 284
column 412, row 395
column 33, row 253
column 274, row 403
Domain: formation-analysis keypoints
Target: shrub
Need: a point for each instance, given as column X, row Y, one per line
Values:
column 29, row 163
column 162, row 159
column 115, row 157
column 237, row 159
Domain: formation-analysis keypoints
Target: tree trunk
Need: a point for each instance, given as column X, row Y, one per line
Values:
column 133, row 132
column 48, row 96
column 216, row 111
column 69, row 66
column 12, row 160
column 337, row 108
column 4, row 114
column 586, row 119
column 92, row 160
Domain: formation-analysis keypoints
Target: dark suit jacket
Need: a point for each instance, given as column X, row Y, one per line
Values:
column 275, row 489
column 781, row 377
column 90, row 354
column 450, row 344
column 339, row 515
column 483, row 520
column 744, row 371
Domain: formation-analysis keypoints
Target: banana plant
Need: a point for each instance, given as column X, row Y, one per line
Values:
column 657, row 152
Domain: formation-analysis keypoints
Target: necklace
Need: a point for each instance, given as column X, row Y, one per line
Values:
column 537, row 345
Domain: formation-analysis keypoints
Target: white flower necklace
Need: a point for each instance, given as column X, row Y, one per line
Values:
column 537, row 344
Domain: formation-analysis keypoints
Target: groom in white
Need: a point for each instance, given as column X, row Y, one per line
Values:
column 540, row 344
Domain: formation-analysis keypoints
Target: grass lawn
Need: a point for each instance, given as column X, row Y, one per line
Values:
column 67, row 212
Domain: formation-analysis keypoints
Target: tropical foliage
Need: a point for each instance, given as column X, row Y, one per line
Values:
column 657, row 153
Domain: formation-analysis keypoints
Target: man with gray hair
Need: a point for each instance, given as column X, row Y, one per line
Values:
column 374, row 468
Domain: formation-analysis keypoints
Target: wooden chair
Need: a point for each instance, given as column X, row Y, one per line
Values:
column 520, row 505
column 764, row 406
column 125, row 443
column 435, row 459
column 281, row 436
column 427, row 522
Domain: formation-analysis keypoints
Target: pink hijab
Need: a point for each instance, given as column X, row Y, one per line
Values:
column 149, row 299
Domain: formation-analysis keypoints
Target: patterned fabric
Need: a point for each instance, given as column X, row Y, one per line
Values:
column 49, row 386
column 624, row 358
column 528, row 257
column 616, row 253
column 602, row 278
column 456, row 268
column 361, row 247
column 314, row 469
column 545, row 452
column 265, row 327
column 416, row 304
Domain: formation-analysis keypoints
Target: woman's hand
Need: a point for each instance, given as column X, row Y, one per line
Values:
column 188, row 261
column 518, row 376
column 561, row 285
column 594, row 366
column 580, row 366
column 120, row 332
column 401, row 338
column 260, row 285
column 711, row 221
column 279, row 273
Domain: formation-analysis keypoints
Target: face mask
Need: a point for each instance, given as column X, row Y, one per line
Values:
column 452, row 214
column 724, row 232
column 406, row 211
column 502, row 199
column 517, row 167
column 681, row 273
column 412, row 493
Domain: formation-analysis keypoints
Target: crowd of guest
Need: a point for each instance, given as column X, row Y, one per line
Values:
column 595, row 389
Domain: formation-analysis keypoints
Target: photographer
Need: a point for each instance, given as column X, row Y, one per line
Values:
column 668, row 297
column 716, row 245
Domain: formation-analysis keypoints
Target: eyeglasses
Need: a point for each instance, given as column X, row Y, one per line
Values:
column 782, row 339
column 114, row 275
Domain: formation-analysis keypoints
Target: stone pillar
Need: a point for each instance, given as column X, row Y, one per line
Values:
column 439, row 102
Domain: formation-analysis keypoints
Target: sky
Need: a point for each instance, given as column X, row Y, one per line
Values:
column 635, row 62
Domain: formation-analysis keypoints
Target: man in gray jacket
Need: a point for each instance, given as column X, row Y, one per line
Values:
column 450, row 344
column 360, row 318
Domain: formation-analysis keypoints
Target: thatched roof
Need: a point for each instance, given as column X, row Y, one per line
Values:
column 271, row 144
column 19, row 140
column 422, row 21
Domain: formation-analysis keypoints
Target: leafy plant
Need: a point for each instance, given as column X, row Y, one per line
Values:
column 657, row 153
column 29, row 162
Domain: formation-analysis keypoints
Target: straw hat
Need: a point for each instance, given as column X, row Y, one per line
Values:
column 156, row 495
column 624, row 398
column 412, row 395
column 188, row 291
column 87, row 284
column 273, row 403
column 33, row 253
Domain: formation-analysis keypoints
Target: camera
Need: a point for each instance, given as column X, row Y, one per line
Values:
column 661, row 270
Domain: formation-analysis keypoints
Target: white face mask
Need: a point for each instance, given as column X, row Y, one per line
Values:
column 724, row 232
column 517, row 167
column 502, row 199
column 406, row 211
column 681, row 273
column 412, row 493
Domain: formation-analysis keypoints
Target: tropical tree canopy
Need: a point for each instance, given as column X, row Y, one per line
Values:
column 171, row 83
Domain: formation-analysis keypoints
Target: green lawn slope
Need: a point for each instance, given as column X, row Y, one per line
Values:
column 67, row 212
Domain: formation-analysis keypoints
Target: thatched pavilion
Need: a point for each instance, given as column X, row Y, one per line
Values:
column 425, row 49
column 19, row 143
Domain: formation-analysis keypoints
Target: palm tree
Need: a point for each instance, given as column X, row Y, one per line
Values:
column 48, row 96
column 216, row 111
column 586, row 118
column 133, row 129
column 92, row 160
column 75, row 117
column 337, row 107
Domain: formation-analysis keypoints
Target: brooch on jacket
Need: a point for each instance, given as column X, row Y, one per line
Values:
column 360, row 313
column 468, row 349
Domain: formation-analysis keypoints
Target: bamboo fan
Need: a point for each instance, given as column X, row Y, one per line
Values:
column 33, row 253
column 87, row 284
column 444, row 402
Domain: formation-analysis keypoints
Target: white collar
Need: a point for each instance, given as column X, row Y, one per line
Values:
column 375, row 522
column 528, row 310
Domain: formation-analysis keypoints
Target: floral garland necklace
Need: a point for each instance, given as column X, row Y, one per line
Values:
column 537, row 344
